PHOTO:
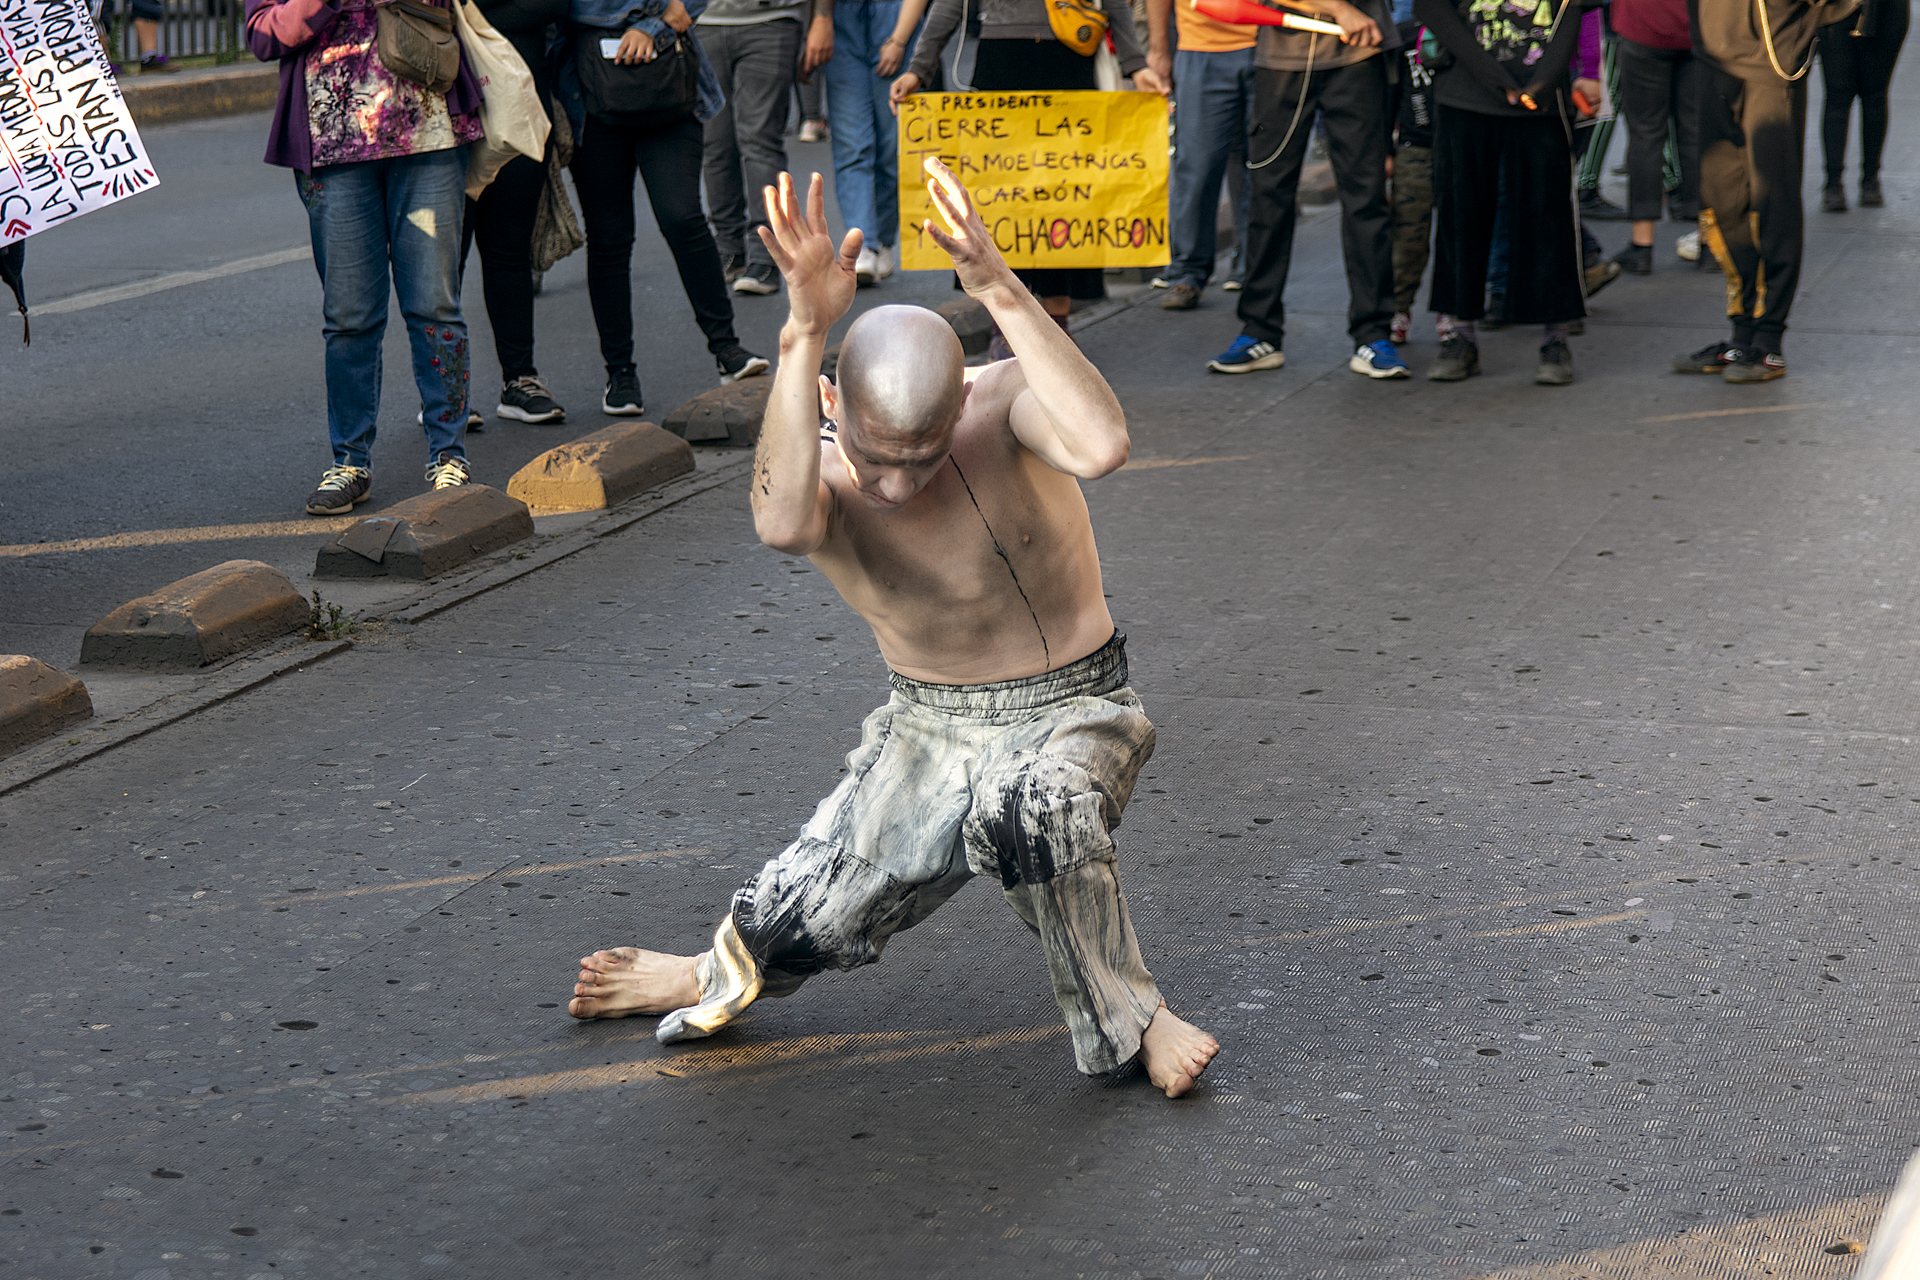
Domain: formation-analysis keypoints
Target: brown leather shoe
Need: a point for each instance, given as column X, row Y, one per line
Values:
column 1181, row 297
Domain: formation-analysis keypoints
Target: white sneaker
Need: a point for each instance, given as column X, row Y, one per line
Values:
column 1689, row 247
column 882, row 262
column 866, row 267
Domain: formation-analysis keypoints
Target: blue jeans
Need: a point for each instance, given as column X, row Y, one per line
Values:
column 866, row 166
column 364, row 216
column 1213, row 98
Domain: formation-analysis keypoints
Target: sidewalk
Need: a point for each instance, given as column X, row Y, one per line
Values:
column 1532, row 820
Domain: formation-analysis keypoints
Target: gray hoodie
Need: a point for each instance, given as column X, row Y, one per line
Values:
column 1014, row 20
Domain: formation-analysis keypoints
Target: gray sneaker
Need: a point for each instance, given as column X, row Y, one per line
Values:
column 341, row 489
column 1556, row 364
column 1180, row 297
column 1458, row 361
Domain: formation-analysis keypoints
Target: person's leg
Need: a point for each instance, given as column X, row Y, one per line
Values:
column 1774, row 117
column 881, row 15
column 855, row 128
column 1688, row 79
column 347, row 221
column 669, row 159
column 1599, row 139
column 1276, row 149
column 1207, row 111
column 1354, row 107
column 1466, row 194
column 1726, row 197
column 1238, row 188
column 764, row 60
column 1412, row 223
column 1875, row 63
column 426, row 195
column 1836, row 111
column 729, row 199
column 603, row 169
column 502, row 223
column 1646, row 98
column 1543, row 286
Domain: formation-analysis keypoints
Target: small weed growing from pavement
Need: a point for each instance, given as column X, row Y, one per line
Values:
column 329, row 621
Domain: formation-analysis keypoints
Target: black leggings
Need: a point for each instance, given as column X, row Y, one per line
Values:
column 1859, row 67
column 667, row 155
column 502, row 221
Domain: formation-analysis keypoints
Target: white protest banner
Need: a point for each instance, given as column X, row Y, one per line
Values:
column 67, row 144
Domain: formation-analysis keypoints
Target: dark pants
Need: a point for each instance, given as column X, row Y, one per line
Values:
column 1660, row 93
column 1412, row 221
column 1858, row 67
column 667, row 155
column 1753, row 136
column 1352, row 101
column 502, row 221
column 746, row 147
column 1472, row 152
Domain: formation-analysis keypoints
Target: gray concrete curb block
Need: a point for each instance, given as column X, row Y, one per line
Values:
column 201, row 95
column 212, row 615
column 37, row 701
column 971, row 323
column 724, row 415
column 596, row 471
column 425, row 536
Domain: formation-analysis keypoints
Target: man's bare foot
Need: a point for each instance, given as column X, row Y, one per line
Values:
column 627, row 980
column 1175, row 1052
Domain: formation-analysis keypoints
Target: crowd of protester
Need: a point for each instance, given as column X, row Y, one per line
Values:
column 1468, row 135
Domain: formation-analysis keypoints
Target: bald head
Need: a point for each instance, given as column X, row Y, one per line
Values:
column 901, row 379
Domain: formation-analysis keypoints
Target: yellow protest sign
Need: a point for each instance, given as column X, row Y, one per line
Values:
column 1061, row 179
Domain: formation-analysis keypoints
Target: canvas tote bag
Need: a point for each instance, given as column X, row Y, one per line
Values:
column 510, row 108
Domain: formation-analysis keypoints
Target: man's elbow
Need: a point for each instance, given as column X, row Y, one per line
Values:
column 1107, row 459
column 785, row 538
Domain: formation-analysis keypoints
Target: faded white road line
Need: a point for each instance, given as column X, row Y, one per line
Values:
column 172, row 280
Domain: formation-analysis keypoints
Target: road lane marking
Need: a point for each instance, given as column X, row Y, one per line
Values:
column 172, row 280
column 1154, row 464
column 1734, row 413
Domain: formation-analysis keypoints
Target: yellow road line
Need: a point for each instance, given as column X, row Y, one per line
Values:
column 179, row 537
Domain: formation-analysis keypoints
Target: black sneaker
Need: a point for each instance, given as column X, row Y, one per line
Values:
column 1870, row 194
column 1834, row 199
column 1636, row 259
column 1597, row 208
column 1458, row 360
column 623, row 399
column 731, row 266
column 1556, row 364
column 1496, row 316
column 1755, row 365
column 450, row 471
column 1710, row 359
column 153, row 62
column 738, row 362
column 762, row 279
column 342, row 488
column 474, row 421
column 526, row 399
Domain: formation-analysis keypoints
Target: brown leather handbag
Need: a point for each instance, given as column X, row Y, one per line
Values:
column 416, row 42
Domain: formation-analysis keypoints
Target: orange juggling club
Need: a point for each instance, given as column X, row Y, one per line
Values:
column 1254, row 13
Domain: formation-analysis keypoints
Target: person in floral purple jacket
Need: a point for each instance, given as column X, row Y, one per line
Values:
column 381, row 166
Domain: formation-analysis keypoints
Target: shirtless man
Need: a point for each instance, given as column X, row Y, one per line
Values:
column 946, row 511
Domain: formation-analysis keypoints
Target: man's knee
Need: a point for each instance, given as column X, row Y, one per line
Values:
column 818, row 906
column 1036, row 816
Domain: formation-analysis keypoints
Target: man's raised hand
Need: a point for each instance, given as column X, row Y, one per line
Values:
column 820, row 279
column 976, row 259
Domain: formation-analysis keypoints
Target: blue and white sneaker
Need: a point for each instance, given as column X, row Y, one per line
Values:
column 1246, row 355
column 1379, row 360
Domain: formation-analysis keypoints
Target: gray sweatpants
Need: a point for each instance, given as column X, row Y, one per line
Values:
column 1023, row 780
column 745, row 146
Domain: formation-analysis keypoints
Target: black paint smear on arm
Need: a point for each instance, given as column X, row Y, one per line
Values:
column 1045, row 652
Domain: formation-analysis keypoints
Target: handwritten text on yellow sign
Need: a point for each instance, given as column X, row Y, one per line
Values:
column 1068, row 179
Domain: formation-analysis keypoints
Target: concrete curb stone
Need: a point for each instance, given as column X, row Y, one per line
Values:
column 201, row 95
column 425, row 536
column 200, row 619
column 601, row 469
column 724, row 415
column 37, row 701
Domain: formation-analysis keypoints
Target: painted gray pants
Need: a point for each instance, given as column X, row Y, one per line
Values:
column 1023, row 780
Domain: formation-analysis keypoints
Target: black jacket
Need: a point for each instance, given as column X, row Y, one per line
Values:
column 1479, row 79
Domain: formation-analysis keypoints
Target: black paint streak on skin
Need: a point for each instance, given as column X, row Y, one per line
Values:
column 1046, row 653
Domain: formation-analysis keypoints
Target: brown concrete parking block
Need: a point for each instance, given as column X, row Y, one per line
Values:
column 724, row 415
column 426, row 536
column 200, row 95
column 971, row 323
column 212, row 615
column 37, row 701
column 599, row 470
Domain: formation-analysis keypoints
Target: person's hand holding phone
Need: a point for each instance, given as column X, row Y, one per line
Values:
column 635, row 46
